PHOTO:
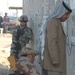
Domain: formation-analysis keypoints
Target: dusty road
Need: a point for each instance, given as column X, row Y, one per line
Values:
column 5, row 43
column 5, row 40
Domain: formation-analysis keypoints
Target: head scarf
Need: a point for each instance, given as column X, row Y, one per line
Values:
column 59, row 11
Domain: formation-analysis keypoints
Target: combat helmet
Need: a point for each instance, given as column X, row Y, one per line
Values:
column 23, row 18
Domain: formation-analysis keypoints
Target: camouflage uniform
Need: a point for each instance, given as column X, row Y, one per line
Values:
column 20, row 37
column 26, row 64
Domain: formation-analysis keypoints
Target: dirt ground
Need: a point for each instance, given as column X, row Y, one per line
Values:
column 5, row 40
column 5, row 43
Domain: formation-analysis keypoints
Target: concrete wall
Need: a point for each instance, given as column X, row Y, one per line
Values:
column 37, row 10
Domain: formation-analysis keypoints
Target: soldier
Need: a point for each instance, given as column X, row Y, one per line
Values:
column 21, row 35
column 26, row 63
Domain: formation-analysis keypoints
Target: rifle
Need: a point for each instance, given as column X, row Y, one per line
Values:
column 18, row 45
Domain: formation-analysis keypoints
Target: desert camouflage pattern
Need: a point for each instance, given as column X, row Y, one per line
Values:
column 27, row 66
column 20, row 37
